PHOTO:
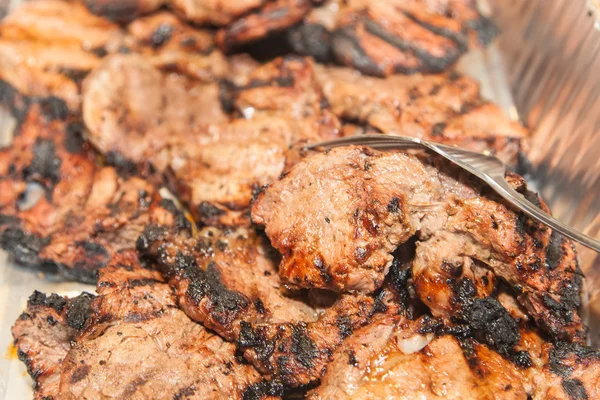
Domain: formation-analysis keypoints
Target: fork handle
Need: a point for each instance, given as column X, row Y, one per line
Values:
column 507, row 192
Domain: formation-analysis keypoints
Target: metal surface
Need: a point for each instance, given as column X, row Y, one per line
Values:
column 551, row 55
column 488, row 168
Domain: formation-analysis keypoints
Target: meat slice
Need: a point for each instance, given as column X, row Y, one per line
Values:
column 371, row 202
column 139, row 344
column 135, row 342
column 43, row 335
column 398, row 36
column 169, row 44
column 55, row 22
column 223, row 278
column 297, row 354
column 240, row 21
column 213, row 164
column 85, row 213
column 393, row 358
column 445, row 108
column 227, row 280
column 46, row 46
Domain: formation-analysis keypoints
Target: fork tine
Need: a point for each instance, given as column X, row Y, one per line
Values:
column 361, row 140
column 393, row 145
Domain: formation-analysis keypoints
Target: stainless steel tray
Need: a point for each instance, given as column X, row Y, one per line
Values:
column 556, row 90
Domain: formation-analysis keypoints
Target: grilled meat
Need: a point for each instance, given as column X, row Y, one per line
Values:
column 139, row 344
column 86, row 212
column 46, row 46
column 298, row 353
column 378, row 200
column 211, row 163
column 43, row 336
column 135, row 343
column 398, row 36
column 214, row 163
column 445, row 108
column 397, row 358
column 223, row 278
column 169, row 44
column 227, row 280
column 241, row 21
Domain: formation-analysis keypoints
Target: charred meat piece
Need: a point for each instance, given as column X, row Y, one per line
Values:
column 371, row 202
column 398, row 36
column 213, row 164
column 227, row 280
column 85, row 212
column 240, row 21
column 394, row 357
column 48, row 47
column 445, row 108
column 223, row 278
column 298, row 353
column 136, row 343
column 43, row 335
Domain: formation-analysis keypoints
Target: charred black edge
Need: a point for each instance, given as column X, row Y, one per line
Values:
column 430, row 63
column 118, row 11
column 489, row 322
column 77, row 309
column 461, row 40
column 299, row 359
column 225, row 304
column 181, row 221
column 296, row 341
column 52, row 107
column 312, row 40
column 204, row 283
column 24, row 247
column 54, row 301
column 124, row 167
column 263, row 389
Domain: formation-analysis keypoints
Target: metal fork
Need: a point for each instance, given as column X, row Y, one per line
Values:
column 486, row 167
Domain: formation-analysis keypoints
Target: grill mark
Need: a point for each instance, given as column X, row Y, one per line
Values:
column 224, row 304
column 430, row 63
column 460, row 39
column 80, row 373
column 575, row 389
column 345, row 43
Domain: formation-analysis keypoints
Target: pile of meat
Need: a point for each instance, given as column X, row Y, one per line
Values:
column 159, row 151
